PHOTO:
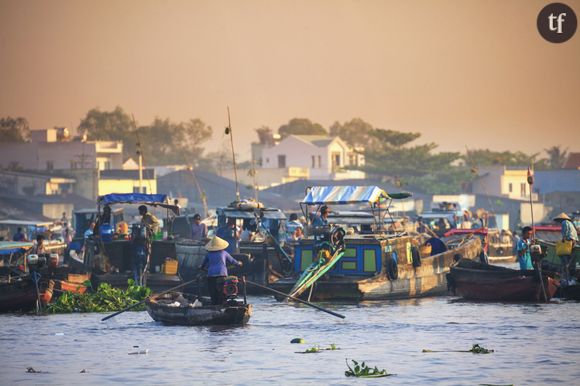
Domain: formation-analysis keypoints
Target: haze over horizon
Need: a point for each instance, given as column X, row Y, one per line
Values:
column 475, row 74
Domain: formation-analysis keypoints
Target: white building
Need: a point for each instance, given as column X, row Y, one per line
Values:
column 503, row 181
column 54, row 149
column 323, row 157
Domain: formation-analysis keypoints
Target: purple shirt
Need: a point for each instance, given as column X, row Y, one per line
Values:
column 216, row 262
column 198, row 232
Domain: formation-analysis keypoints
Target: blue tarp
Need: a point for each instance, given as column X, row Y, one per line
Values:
column 133, row 198
column 344, row 195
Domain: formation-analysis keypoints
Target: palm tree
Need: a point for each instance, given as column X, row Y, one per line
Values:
column 556, row 157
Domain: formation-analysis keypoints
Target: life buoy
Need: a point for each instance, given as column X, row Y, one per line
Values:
column 416, row 256
column 391, row 265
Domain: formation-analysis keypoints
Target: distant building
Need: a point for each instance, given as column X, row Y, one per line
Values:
column 327, row 158
column 55, row 149
column 127, row 181
column 559, row 189
column 36, row 195
column 572, row 162
column 503, row 181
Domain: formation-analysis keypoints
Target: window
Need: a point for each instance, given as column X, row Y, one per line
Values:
column 281, row 161
column 335, row 160
column 523, row 189
column 352, row 159
column 136, row 189
column 319, row 161
column 510, row 187
column 49, row 165
column 370, row 260
column 313, row 161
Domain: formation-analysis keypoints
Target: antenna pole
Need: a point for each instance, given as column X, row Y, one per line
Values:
column 230, row 132
column 139, row 155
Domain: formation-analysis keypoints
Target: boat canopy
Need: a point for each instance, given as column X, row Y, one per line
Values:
column 10, row 247
column 271, row 214
column 137, row 198
column 348, row 195
column 37, row 224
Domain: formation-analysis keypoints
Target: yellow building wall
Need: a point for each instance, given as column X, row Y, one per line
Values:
column 126, row 186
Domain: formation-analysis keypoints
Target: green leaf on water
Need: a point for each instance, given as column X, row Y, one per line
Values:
column 363, row 371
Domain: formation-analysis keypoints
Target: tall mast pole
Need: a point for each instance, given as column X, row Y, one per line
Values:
column 139, row 155
column 229, row 131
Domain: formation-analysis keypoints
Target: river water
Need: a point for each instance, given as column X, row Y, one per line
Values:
column 535, row 344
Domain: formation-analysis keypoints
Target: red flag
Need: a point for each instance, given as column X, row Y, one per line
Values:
column 530, row 176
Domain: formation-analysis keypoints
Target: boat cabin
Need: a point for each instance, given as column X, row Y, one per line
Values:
column 82, row 219
column 367, row 242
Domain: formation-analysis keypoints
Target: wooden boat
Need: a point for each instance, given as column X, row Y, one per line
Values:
column 110, row 257
column 373, row 266
column 176, row 308
column 19, row 293
column 74, row 283
column 476, row 281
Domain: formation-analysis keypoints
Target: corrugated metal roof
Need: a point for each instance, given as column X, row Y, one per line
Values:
column 563, row 180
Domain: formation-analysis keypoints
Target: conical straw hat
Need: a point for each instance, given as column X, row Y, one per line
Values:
column 216, row 244
column 562, row 216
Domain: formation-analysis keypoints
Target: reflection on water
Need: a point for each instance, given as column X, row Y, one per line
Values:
column 534, row 344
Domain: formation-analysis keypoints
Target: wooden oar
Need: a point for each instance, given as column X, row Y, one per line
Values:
column 296, row 299
column 143, row 301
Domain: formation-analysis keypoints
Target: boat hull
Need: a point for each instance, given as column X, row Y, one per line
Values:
column 198, row 316
column 491, row 283
column 428, row 279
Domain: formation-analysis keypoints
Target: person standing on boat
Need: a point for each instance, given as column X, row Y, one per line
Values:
column 215, row 262
column 523, row 250
column 19, row 235
column 569, row 234
column 39, row 248
column 198, row 229
column 322, row 219
column 148, row 219
column 231, row 234
column 294, row 229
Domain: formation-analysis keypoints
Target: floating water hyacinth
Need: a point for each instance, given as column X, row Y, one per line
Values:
column 363, row 371
column 476, row 349
column 318, row 349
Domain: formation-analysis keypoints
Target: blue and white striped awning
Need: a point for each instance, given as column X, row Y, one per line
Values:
column 344, row 195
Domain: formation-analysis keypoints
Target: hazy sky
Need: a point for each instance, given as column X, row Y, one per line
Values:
column 473, row 73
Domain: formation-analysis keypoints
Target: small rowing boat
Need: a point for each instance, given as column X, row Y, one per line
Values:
column 176, row 308
column 476, row 281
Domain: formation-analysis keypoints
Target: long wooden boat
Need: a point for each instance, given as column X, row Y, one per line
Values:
column 176, row 308
column 374, row 266
column 476, row 281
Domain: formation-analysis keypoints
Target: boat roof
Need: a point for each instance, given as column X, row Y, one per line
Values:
column 26, row 223
column 95, row 211
column 431, row 215
column 137, row 198
column 266, row 213
column 9, row 247
column 349, row 195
